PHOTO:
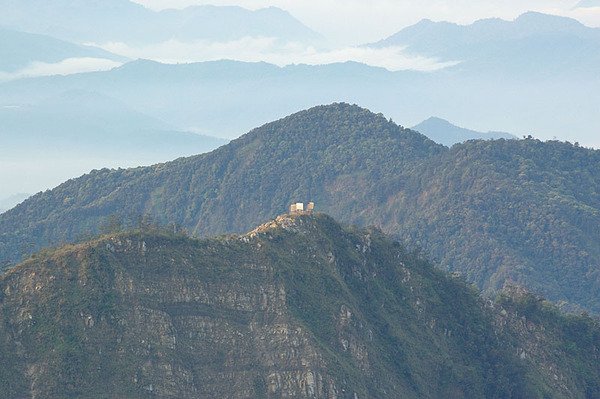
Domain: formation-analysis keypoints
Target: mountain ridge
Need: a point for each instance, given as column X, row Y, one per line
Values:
column 267, row 92
column 19, row 50
column 494, row 211
column 135, row 24
column 308, row 308
column 520, row 48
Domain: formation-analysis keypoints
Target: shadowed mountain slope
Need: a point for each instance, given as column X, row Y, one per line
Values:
column 496, row 211
column 300, row 307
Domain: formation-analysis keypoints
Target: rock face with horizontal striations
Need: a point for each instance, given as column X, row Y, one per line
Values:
column 300, row 307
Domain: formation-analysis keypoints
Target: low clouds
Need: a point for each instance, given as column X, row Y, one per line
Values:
column 269, row 50
column 64, row 67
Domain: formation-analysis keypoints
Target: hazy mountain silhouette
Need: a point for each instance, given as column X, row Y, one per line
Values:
column 534, row 44
column 226, row 98
column 19, row 49
column 78, row 131
column 125, row 21
column 443, row 132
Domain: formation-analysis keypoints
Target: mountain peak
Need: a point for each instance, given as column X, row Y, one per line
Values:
column 446, row 39
column 335, row 126
column 437, row 120
column 325, row 309
column 443, row 132
column 534, row 19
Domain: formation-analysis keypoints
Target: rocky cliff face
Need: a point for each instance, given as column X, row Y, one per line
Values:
column 299, row 307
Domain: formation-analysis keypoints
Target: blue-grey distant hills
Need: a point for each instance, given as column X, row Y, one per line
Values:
column 226, row 98
column 443, row 132
column 63, row 136
column 125, row 21
column 533, row 45
column 19, row 49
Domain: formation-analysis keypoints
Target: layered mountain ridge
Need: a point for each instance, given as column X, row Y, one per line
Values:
column 19, row 50
column 129, row 22
column 299, row 307
column 499, row 211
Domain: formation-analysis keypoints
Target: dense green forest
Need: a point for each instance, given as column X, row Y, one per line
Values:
column 300, row 307
column 507, row 211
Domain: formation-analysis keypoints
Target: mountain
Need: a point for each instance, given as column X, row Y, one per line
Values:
column 124, row 21
column 227, row 23
column 19, row 50
column 300, row 307
column 443, row 132
column 227, row 98
column 233, row 188
column 96, row 123
column 534, row 44
column 9, row 202
column 519, row 211
column 72, row 133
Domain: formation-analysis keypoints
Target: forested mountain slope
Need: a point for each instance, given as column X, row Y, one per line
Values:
column 300, row 307
column 508, row 210
column 309, row 154
column 496, row 211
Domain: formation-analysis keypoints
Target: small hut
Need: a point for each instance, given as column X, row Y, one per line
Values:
column 298, row 208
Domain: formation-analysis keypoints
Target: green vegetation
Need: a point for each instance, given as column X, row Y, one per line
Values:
column 519, row 211
column 152, row 313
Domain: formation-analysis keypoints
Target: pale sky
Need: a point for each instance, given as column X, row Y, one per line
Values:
column 350, row 22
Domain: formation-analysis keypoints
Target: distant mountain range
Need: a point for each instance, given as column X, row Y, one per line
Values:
column 496, row 212
column 84, row 21
column 19, row 50
column 533, row 45
column 71, row 133
column 200, row 97
column 94, row 123
column 443, row 132
column 300, row 307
